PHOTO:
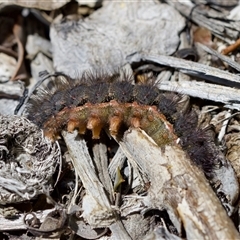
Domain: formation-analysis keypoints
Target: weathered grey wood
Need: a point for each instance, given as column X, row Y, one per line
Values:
column 119, row 232
column 162, row 233
column 227, row 95
column 117, row 161
column 39, row 51
column 49, row 5
column 202, row 71
column 79, row 45
column 180, row 187
column 209, row 18
column 224, row 58
column 215, row 92
column 11, row 90
column 97, row 209
column 18, row 223
column 101, row 163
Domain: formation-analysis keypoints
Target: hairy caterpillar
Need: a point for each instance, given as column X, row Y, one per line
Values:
column 101, row 101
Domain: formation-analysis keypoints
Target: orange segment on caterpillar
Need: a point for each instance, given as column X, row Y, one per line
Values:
column 111, row 101
column 112, row 115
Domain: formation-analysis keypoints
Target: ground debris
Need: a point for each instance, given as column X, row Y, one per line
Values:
column 119, row 187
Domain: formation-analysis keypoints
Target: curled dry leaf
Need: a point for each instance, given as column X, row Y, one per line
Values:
column 52, row 225
column 203, row 35
column 27, row 160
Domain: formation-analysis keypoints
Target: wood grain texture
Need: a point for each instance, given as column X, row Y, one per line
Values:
column 179, row 186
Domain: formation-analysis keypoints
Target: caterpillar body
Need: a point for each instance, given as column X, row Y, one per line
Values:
column 110, row 101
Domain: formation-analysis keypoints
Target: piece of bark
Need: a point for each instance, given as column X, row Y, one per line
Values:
column 10, row 93
column 10, row 90
column 39, row 51
column 195, row 69
column 162, row 233
column 8, row 64
column 17, row 222
column 219, row 3
column 117, row 162
column 36, row 44
column 96, row 206
column 97, row 209
column 215, row 92
column 215, row 21
column 226, row 59
column 8, row 106
column 44, row 5
column 180, row 187
column 79, row 45
column 101, row 163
